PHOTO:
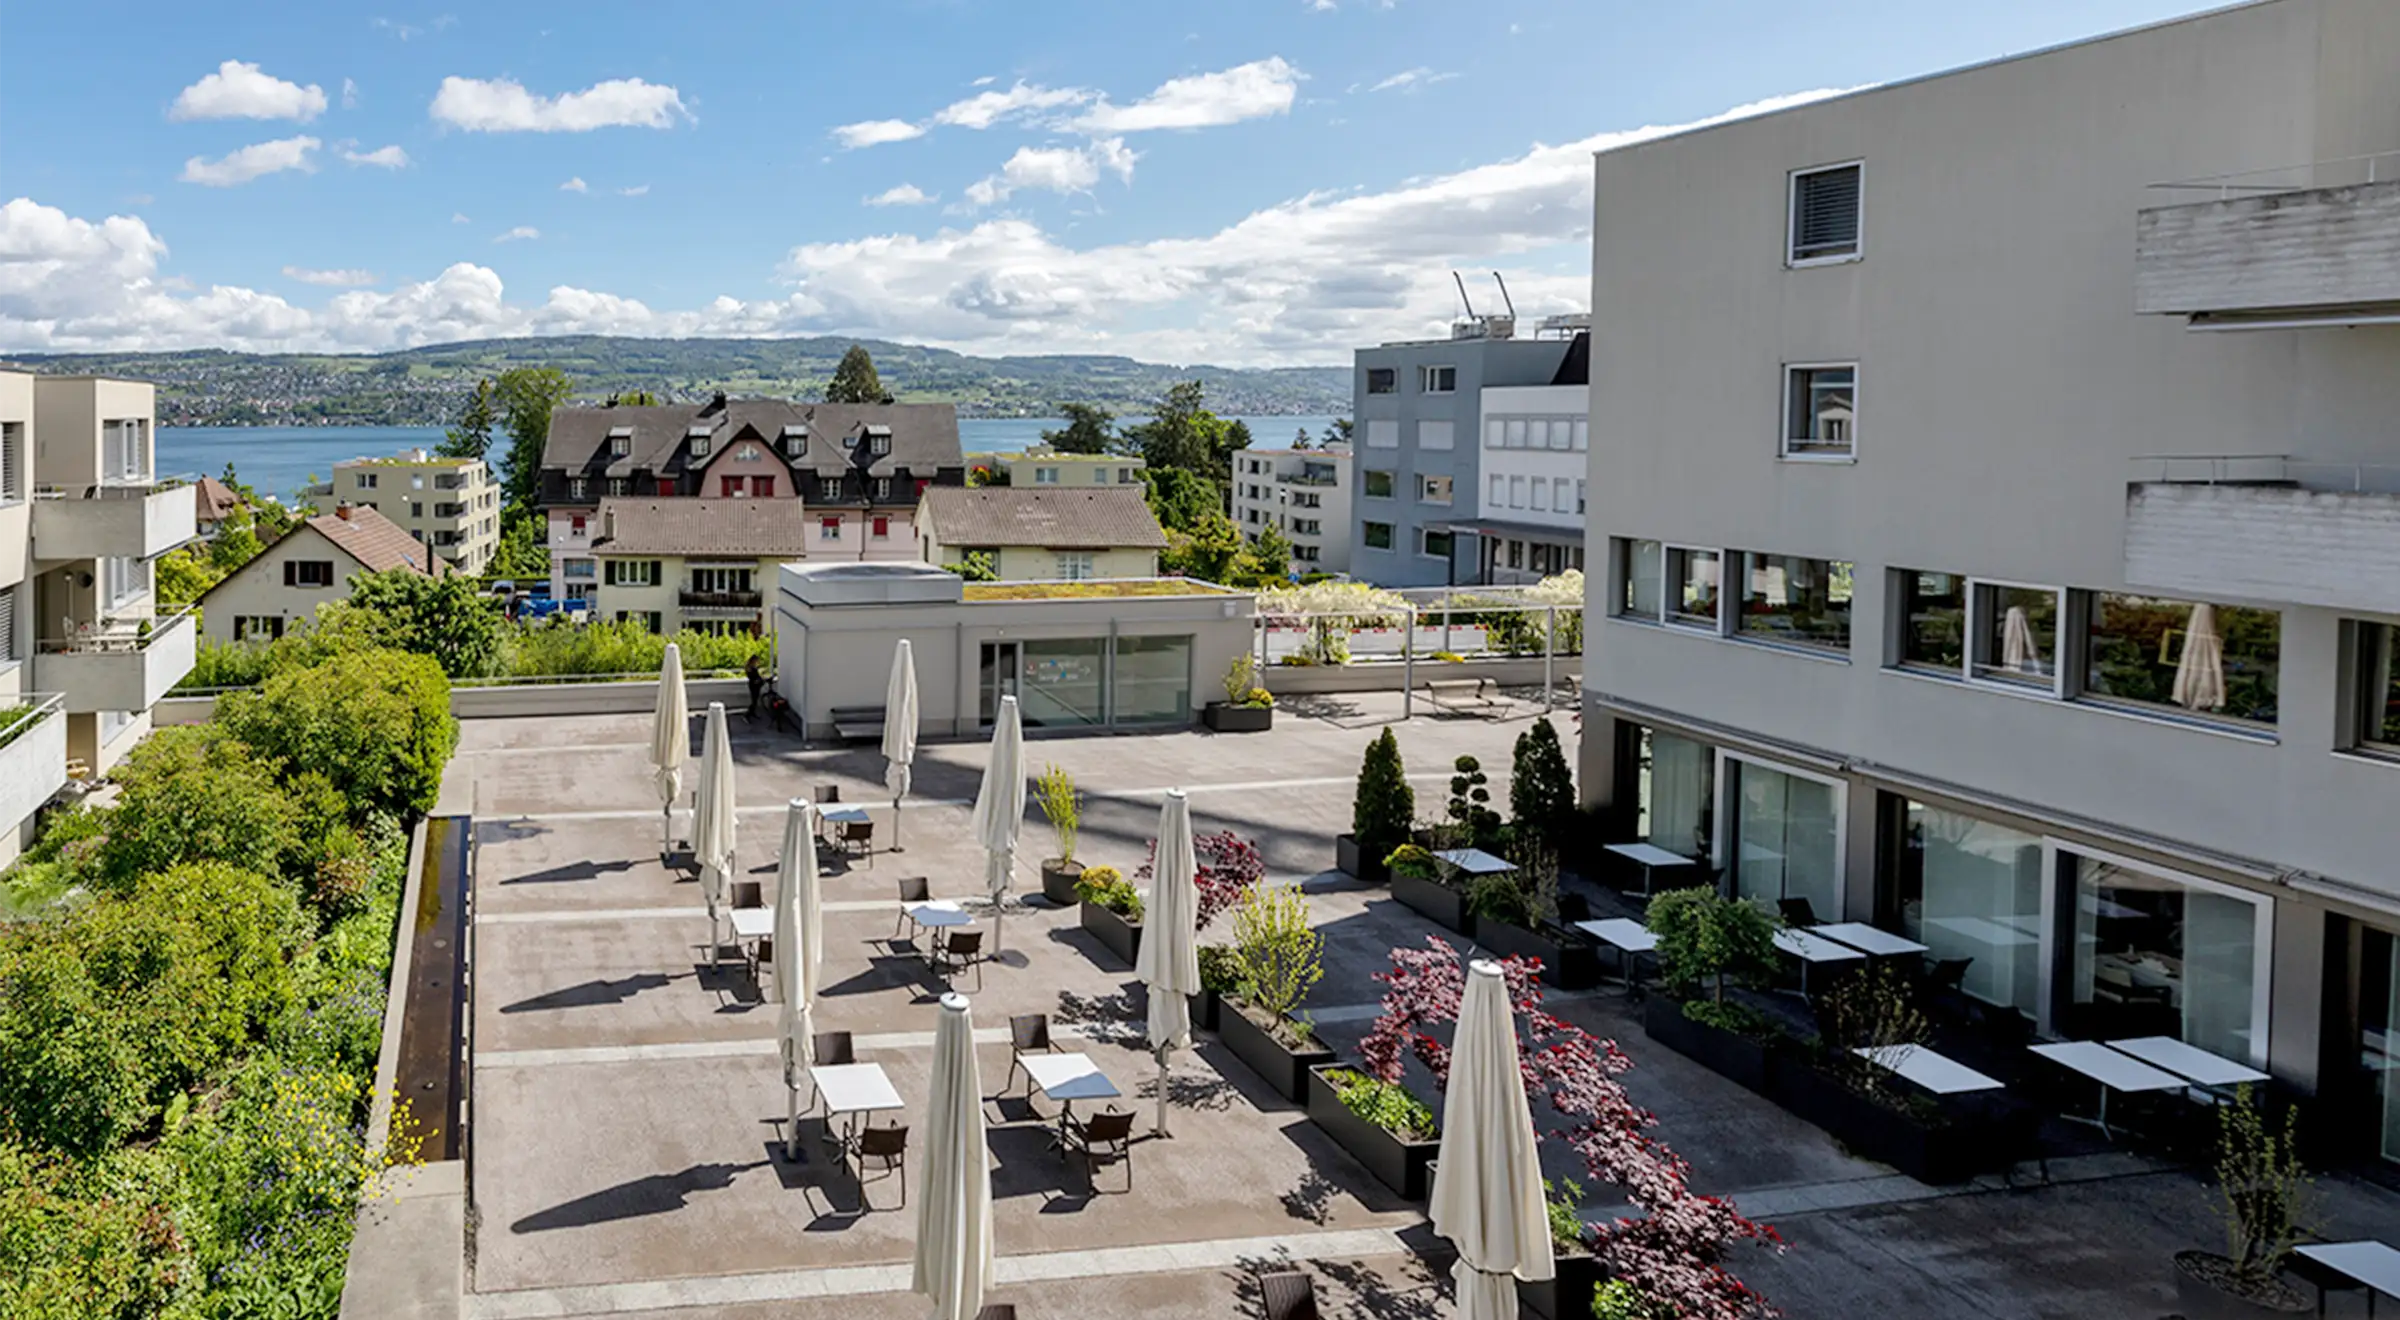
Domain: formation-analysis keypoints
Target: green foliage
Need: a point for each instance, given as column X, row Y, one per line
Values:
column 855, row 381
column 1280, row 953
column 1618, row 1299
column 1541, row 790
column 519, row 557
column 71, row 1072
column 79, row 1242
column 1181, row 501
column 1268, row 561
column 443, row 617
column 181, row 575
column 1563, row 1202
column 1241, row 684
column 376, row 724
column 1414, row 862
column 1086, row 431
column 1384, row 806
column 1388, row 1105
column 1211, row 552
column 1703, row 936
column 1183, row 434
column 1470, row 807
column 2264, row 1192
column 526, row 397
column 1734, row 1016
column 1220, row 969
column 978, row 566
column 1054, row 792
column 545, row 649
column 194, row 794
column 471, row 435
column 1108, row 887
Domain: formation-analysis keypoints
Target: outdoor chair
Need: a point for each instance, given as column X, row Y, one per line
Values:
column 1100, row 1138
column 1028, row 1033
column 889, row 1147
column 828, row 793
column 2016, row 1138
column 998, row 1311
column 859, row 836
column 1796, row 912
column 749, row 894
column 913, row 889
column 1573, row 908
column 833, row 1049
column 1288, row 1295
column 956, row 950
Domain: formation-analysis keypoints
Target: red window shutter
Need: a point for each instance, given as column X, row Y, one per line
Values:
column 832, row 526
column 666, row 485
column 922, row 483
column 577, row 524
column 729, row 486
column 883, row 527
column 763, row 487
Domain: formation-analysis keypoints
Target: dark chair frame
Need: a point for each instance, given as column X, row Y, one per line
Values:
column 913, row 889
column 1027, row 1033
column 950, row 959
column 1104, row 1136
column 888, row 1144
column 1288, row 1295
column 860, row 833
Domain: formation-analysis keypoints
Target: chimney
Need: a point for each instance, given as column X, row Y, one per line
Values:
column 342, row 511
column 608, row 524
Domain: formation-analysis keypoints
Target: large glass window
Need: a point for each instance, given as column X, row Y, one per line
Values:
column 1064, row 682
column 1376, row 535
column 1376, row 484
column 2379, row 1036
column 1638, row 595
column 2016, row 634
column 1820, row 411
column 1786, row 842
column 1804, row 602
column 2208, row 659
column 1677, row 794
column 1933, row 619
column 1693, row 579
column 1968, row 889
column 1154, row 680
column 2377, row 658
column 2156, row 956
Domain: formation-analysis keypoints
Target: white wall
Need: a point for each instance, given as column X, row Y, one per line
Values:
column 1511, row 414
column 257, row 590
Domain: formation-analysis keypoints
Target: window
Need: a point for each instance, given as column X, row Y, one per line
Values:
column 1541, row 495
column 1496, row 491
column 1437, row 380
column 1306, row 526
column 1516, row 492
column 1306, row 554
column 829, row 488
column 747, row 454
column 730, row 487
column 1045, row 476
column 1675, row 793
column 2159, row 955
column 1433, row 489
column 1786, row 835
column 1692, row 584
column 2015, row 634
column 1932, row 627
column 1638, row 590
column 2191, row 657
column 576, row 524
column 1383, row 434
column 8, row 625
column 124, row 451
column 2375, row 651
column 648, row 619
column 1820, row 411
column 261, row 626
column 1800, row 602
column 1516, row 553
column 1436, row 545
column 364, row 480
column 308, row 572
column 577, row 488
column 721, row 578
column 882, row 528
column 1383, row 380
column 1562, row 489
column 620, row 446
column 448, row 510
column 795, row 442
column 1561, row 435
column 1583, row 435
column 883, row 489
column 879, row 444
column 616, row 486
column 577, row 569
column 1099, row 475
column 12, row 457
column 1152, row 681
column 1436, row 435
column 699, row 446
column 1376, row 485
column 1495, row 430
column 1824, row 214
column 1376, row 535
column 1970, row 890
column 1074, row 566
column 631, row 572
column 1127, row 476
column 762, row 487
column 1579, row 499
column 829, row 529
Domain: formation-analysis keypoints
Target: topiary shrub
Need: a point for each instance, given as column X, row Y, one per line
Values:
column 1470, row 808
column 1541, row 789
column 1385, row 805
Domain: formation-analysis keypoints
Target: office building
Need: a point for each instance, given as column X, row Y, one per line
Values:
column 1529, row 505
column 1303, row 494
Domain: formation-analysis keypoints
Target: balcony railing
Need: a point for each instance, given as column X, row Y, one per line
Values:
column 118, row 664
column 2267, row 470
column 33, row 754
column 717, row 600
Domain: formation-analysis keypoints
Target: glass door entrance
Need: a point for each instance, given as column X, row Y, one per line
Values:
column 997, row 679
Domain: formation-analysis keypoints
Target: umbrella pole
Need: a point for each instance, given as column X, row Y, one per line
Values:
column 791, row 1125
column 896, row 826
column 1162, row 1092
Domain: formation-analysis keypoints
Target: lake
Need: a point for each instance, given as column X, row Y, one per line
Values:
column 279, row 460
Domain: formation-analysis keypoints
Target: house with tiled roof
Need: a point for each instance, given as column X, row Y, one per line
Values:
column 212, row 503
column 1042, row 533
column 704, row 564
column 307, row 566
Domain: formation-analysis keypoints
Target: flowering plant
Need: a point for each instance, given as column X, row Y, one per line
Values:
column 1229, row 866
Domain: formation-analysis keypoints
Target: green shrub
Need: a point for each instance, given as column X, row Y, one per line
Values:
column 1563, row 1202
column 1054, row 792
column 1736, row 1017
column 1220, row 969
column 1470, row 807
column 84, row 1243
column 1387, row 1105
column 375, row 724
column 1280, row 953
column 1384, row 806
column 444, row 618
column 71, row 1073
column 191, row 794
column 1414, row 862
column 1541, row 789
column 1703, row 937
column 1108, row 887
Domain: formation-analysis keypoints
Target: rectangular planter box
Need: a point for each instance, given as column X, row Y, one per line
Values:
column 1121, row 937
column 1058, row 882
column 1444, row 905
column 1567, row 1295
column 1205, row 1007
column 1399, row 1164
column 1348, row 860
column 1284, row 1070
column 1937, row 1153
column 1736, row 1058
column 1569, row 965
column 1225, row 718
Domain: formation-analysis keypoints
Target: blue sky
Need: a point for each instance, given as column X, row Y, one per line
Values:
column 1248, row 181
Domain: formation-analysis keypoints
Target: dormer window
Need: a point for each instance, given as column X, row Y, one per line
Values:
column 699, row 446
column 829, row 488
column 795, row 439
column 849, row 442
column 879, row 444
column 620, row 441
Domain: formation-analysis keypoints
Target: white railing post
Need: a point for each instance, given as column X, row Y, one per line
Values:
column 1549, row 650
column 1408, row 667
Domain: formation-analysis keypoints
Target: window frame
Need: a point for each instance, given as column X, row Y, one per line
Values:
column 1390, row 475
column 1425, row 495
column 2360, row 712
column 1391, row 377
column 1424, row 539
column 1731, row 608
column 1791, row 216
column 1784, row 439
column 1426, row 377
column 1666, row 616
column 1366, row 535
column 2059, row 639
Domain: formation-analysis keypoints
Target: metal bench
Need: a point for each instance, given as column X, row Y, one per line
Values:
column 1462, row 693
column 853, row 724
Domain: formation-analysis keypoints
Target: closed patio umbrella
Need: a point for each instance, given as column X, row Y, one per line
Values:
column 712, row 819
column 899, row 730
column 670, row 741
column 799, row 954
column 1169, row 959
column 2200, row 673
column 1487, row 1194
column 2018, row 650
column 954, row 1204
column 1000, row 808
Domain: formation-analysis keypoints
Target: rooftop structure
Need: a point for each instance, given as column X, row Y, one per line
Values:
column 1042, row 532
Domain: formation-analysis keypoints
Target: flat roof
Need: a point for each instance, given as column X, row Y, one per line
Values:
column 1116, row 587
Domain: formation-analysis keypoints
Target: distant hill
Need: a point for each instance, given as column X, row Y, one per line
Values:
column 424, row 386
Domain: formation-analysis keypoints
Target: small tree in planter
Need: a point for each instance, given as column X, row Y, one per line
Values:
column 1470, row 807
column 1062, row 805
column 1247, row 707
column 1673, row 1253
column 1703, row 937
column 1279, row 953
column 1541, row 790
column 1381, row 811
column 2264, row 1195
column 1872, row 1010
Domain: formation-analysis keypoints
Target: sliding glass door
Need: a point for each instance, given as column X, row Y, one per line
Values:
column 1971, row 891
column 1786, row 837
column 2155, row 954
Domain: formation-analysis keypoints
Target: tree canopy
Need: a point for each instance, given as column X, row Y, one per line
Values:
column 854, row 380
column 1182, row 433
column 526, row 398
column 471, row 437
column 1087, row 430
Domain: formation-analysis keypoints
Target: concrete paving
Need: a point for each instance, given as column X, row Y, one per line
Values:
column 628, row 1104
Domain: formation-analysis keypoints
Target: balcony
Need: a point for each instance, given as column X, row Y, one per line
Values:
column 2266, row 527
column 718, row 604
column 33, row 755
column 122, row 664
column 2307, row 245
column 122, row 522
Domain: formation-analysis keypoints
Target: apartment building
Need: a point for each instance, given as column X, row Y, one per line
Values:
column 83, row 652
column 1417, row 406
column 1303, row 494
column 310, row 564
column 857, row 468
column 1528, row 517
column 1044, row 466
column 1040, row 534
column 702, row 564
column 1942, row 589
column 450, row 504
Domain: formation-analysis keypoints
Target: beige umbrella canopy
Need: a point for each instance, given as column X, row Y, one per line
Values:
column 1487, row 1193
column 953, row 1264
column 899, row 730
column 670, row 741
column 712, row 820
column 2200, row 674
column 1169, row 960
column 2018, row 649
column 799, row 954
column 1000, row 808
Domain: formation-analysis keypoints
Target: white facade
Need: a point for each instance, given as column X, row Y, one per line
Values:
column 1047, row 467
column 1529, row 503
column 451, row 504
column 1936, row 688
column 1302, row 493
column 271, row 595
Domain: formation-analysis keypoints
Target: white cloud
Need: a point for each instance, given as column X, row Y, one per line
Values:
column 458, row 217
column 501, row 105
column 1300, row 281
column 875, row 133
column 349, row 94
column 905, row 194
column 253, row 161
column 1055, row 169
column 518, row 234
column 331, row 279
column 239, row 91
column 984, row 81
column 575, row 185
column 637, row 190
column 1204, row 100
column 390, row 158
column 1409, row 80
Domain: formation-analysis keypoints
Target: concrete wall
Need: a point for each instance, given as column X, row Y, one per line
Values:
column 257, row 590
column 2326, row 548
column 16, row 516
column 511, row 700
column 68, row 412
column 2331, row 247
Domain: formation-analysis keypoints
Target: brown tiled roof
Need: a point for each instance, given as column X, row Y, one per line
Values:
column 1062, row 518
column 214, row 500
column 924, row 436
column 738, row 528
column 378, row 543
